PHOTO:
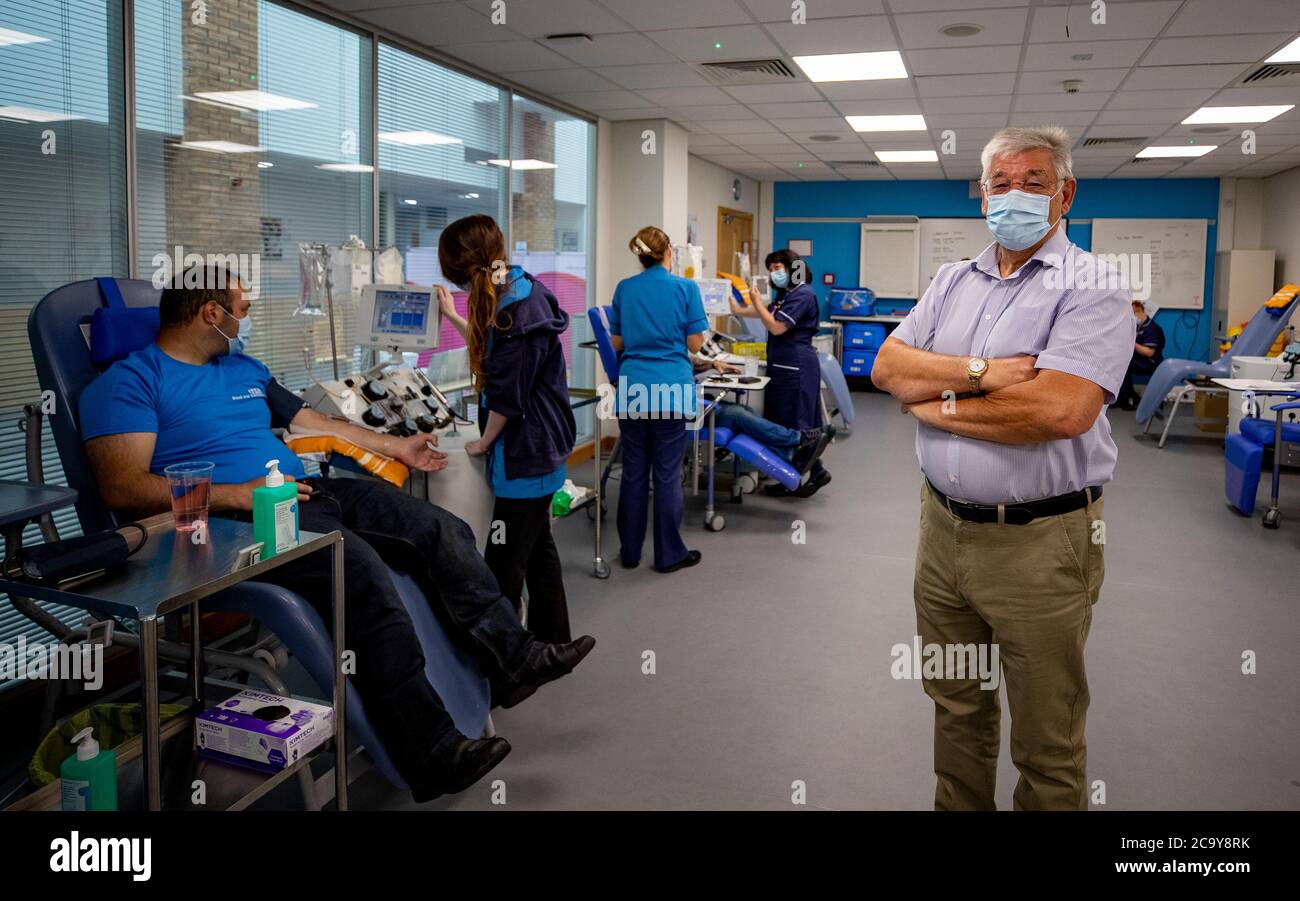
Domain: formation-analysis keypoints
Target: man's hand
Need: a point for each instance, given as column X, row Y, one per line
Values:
column 1007, row 371
column 417, row 452
column 240, row 496
column 724, row 367
column 477, row 448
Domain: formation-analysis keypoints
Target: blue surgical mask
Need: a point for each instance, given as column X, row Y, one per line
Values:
column 1018, row 219
column 780, row 278
column 243, row 334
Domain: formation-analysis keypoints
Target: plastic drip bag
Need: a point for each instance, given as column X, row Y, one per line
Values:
column 311, row 281
column 351, row 269
column 389, row 267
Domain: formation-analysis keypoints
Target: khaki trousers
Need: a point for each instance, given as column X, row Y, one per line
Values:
column 1029, row 589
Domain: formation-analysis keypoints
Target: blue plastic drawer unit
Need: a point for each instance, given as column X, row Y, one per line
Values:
column 863, row 336
column 858, row 363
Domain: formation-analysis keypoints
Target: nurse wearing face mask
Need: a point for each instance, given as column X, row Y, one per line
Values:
column 792, row 398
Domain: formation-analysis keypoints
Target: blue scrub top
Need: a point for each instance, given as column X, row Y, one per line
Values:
column 654, row 311
column 528, row 486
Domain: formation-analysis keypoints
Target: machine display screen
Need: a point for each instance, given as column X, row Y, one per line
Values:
column 401, row 312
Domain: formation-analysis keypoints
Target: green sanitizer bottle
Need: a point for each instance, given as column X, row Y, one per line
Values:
column 88, row 778
column 275, row 513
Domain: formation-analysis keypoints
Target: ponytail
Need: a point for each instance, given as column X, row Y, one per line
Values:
column 471, row 251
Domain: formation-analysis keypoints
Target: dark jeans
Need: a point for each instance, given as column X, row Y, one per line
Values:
column 383, row 526
column 744, row 421
column 527, row 556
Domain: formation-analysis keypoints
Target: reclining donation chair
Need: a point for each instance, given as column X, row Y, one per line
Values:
column 58, row 327
column 1243, row 456
column 1255, row 339
column 743, row 447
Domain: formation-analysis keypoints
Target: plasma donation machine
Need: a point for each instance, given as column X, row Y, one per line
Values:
column 397, row 398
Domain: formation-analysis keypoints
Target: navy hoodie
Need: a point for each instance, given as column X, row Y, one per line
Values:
column 526, row 383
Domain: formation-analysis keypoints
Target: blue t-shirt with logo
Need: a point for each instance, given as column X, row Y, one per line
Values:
column 216, row 412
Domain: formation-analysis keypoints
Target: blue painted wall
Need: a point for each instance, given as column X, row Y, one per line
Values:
column 835, row 244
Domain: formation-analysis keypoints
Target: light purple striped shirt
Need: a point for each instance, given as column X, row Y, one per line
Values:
column 970, row 310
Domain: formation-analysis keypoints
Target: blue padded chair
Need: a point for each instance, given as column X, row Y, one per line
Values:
column 58, row 329
column 833, row 379
column 1243, row 457
column 1255, row 340
column 763, row 458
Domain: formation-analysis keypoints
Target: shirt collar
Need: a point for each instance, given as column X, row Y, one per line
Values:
column 1052, row 253
column 655, row 271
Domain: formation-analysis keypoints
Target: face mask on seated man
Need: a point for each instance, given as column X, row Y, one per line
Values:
column 193, row 395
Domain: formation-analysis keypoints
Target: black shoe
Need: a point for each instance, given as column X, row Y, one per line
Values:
column 776, row 490
column 814, row 442
column 815, row 483
column 691, row 558
column 468, row 762
column 623, row 563
column 548, row 663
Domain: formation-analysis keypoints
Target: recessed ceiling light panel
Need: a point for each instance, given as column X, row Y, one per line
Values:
column 1175, row 150
column 1236, row 115
column 886, row 123
column 853, row 66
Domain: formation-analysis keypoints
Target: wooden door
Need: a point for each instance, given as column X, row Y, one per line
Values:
column 735, row 233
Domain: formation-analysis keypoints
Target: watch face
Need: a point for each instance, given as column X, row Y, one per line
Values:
column 977, row 366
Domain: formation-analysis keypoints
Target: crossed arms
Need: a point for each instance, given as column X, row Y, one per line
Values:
column 1023, row 404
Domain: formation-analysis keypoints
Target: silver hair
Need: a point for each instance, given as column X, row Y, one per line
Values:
column 1018, row 140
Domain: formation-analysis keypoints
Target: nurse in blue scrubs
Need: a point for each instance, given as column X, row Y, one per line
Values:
column 793, row 397
column 656, row 322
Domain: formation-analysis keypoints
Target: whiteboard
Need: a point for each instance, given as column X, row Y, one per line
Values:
column 946, row 240
column 1177, row 255
column 888, row 258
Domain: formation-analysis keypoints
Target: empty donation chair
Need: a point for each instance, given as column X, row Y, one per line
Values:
column 58, row 327
column 1257, row 337
column 1243, row 457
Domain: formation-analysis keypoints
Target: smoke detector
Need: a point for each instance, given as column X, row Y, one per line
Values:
column 1072, row 85
column 961, row 30
column 824, row 139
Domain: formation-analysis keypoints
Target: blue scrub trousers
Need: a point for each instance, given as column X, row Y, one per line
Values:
column 652, row 447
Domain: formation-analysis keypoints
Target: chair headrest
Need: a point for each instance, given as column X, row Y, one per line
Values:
column 116, row 330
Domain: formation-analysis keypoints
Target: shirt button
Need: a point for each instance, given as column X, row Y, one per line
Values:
column 952, row 479
column 988, row 315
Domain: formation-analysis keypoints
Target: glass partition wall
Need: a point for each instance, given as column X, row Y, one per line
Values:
column 135, row 133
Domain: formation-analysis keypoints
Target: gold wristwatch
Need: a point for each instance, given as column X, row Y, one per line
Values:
column 975, row 370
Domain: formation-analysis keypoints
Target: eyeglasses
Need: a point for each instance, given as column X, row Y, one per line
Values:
column 1030, row 185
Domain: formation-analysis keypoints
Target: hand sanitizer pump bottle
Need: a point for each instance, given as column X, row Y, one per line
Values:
column 88, row 778
column 275, row 513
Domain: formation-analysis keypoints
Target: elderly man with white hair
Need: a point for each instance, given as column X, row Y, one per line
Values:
column 1008, row 367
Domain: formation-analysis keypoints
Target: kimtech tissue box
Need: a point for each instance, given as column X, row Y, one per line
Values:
column 263, row 731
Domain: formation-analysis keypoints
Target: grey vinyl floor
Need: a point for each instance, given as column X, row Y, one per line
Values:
column 772, row 659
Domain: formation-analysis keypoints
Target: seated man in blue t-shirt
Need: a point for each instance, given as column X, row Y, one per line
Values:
column 193, row 395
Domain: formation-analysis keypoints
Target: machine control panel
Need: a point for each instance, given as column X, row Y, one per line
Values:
column 400, row 401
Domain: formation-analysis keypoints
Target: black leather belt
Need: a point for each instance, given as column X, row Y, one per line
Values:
column 1021, row 513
